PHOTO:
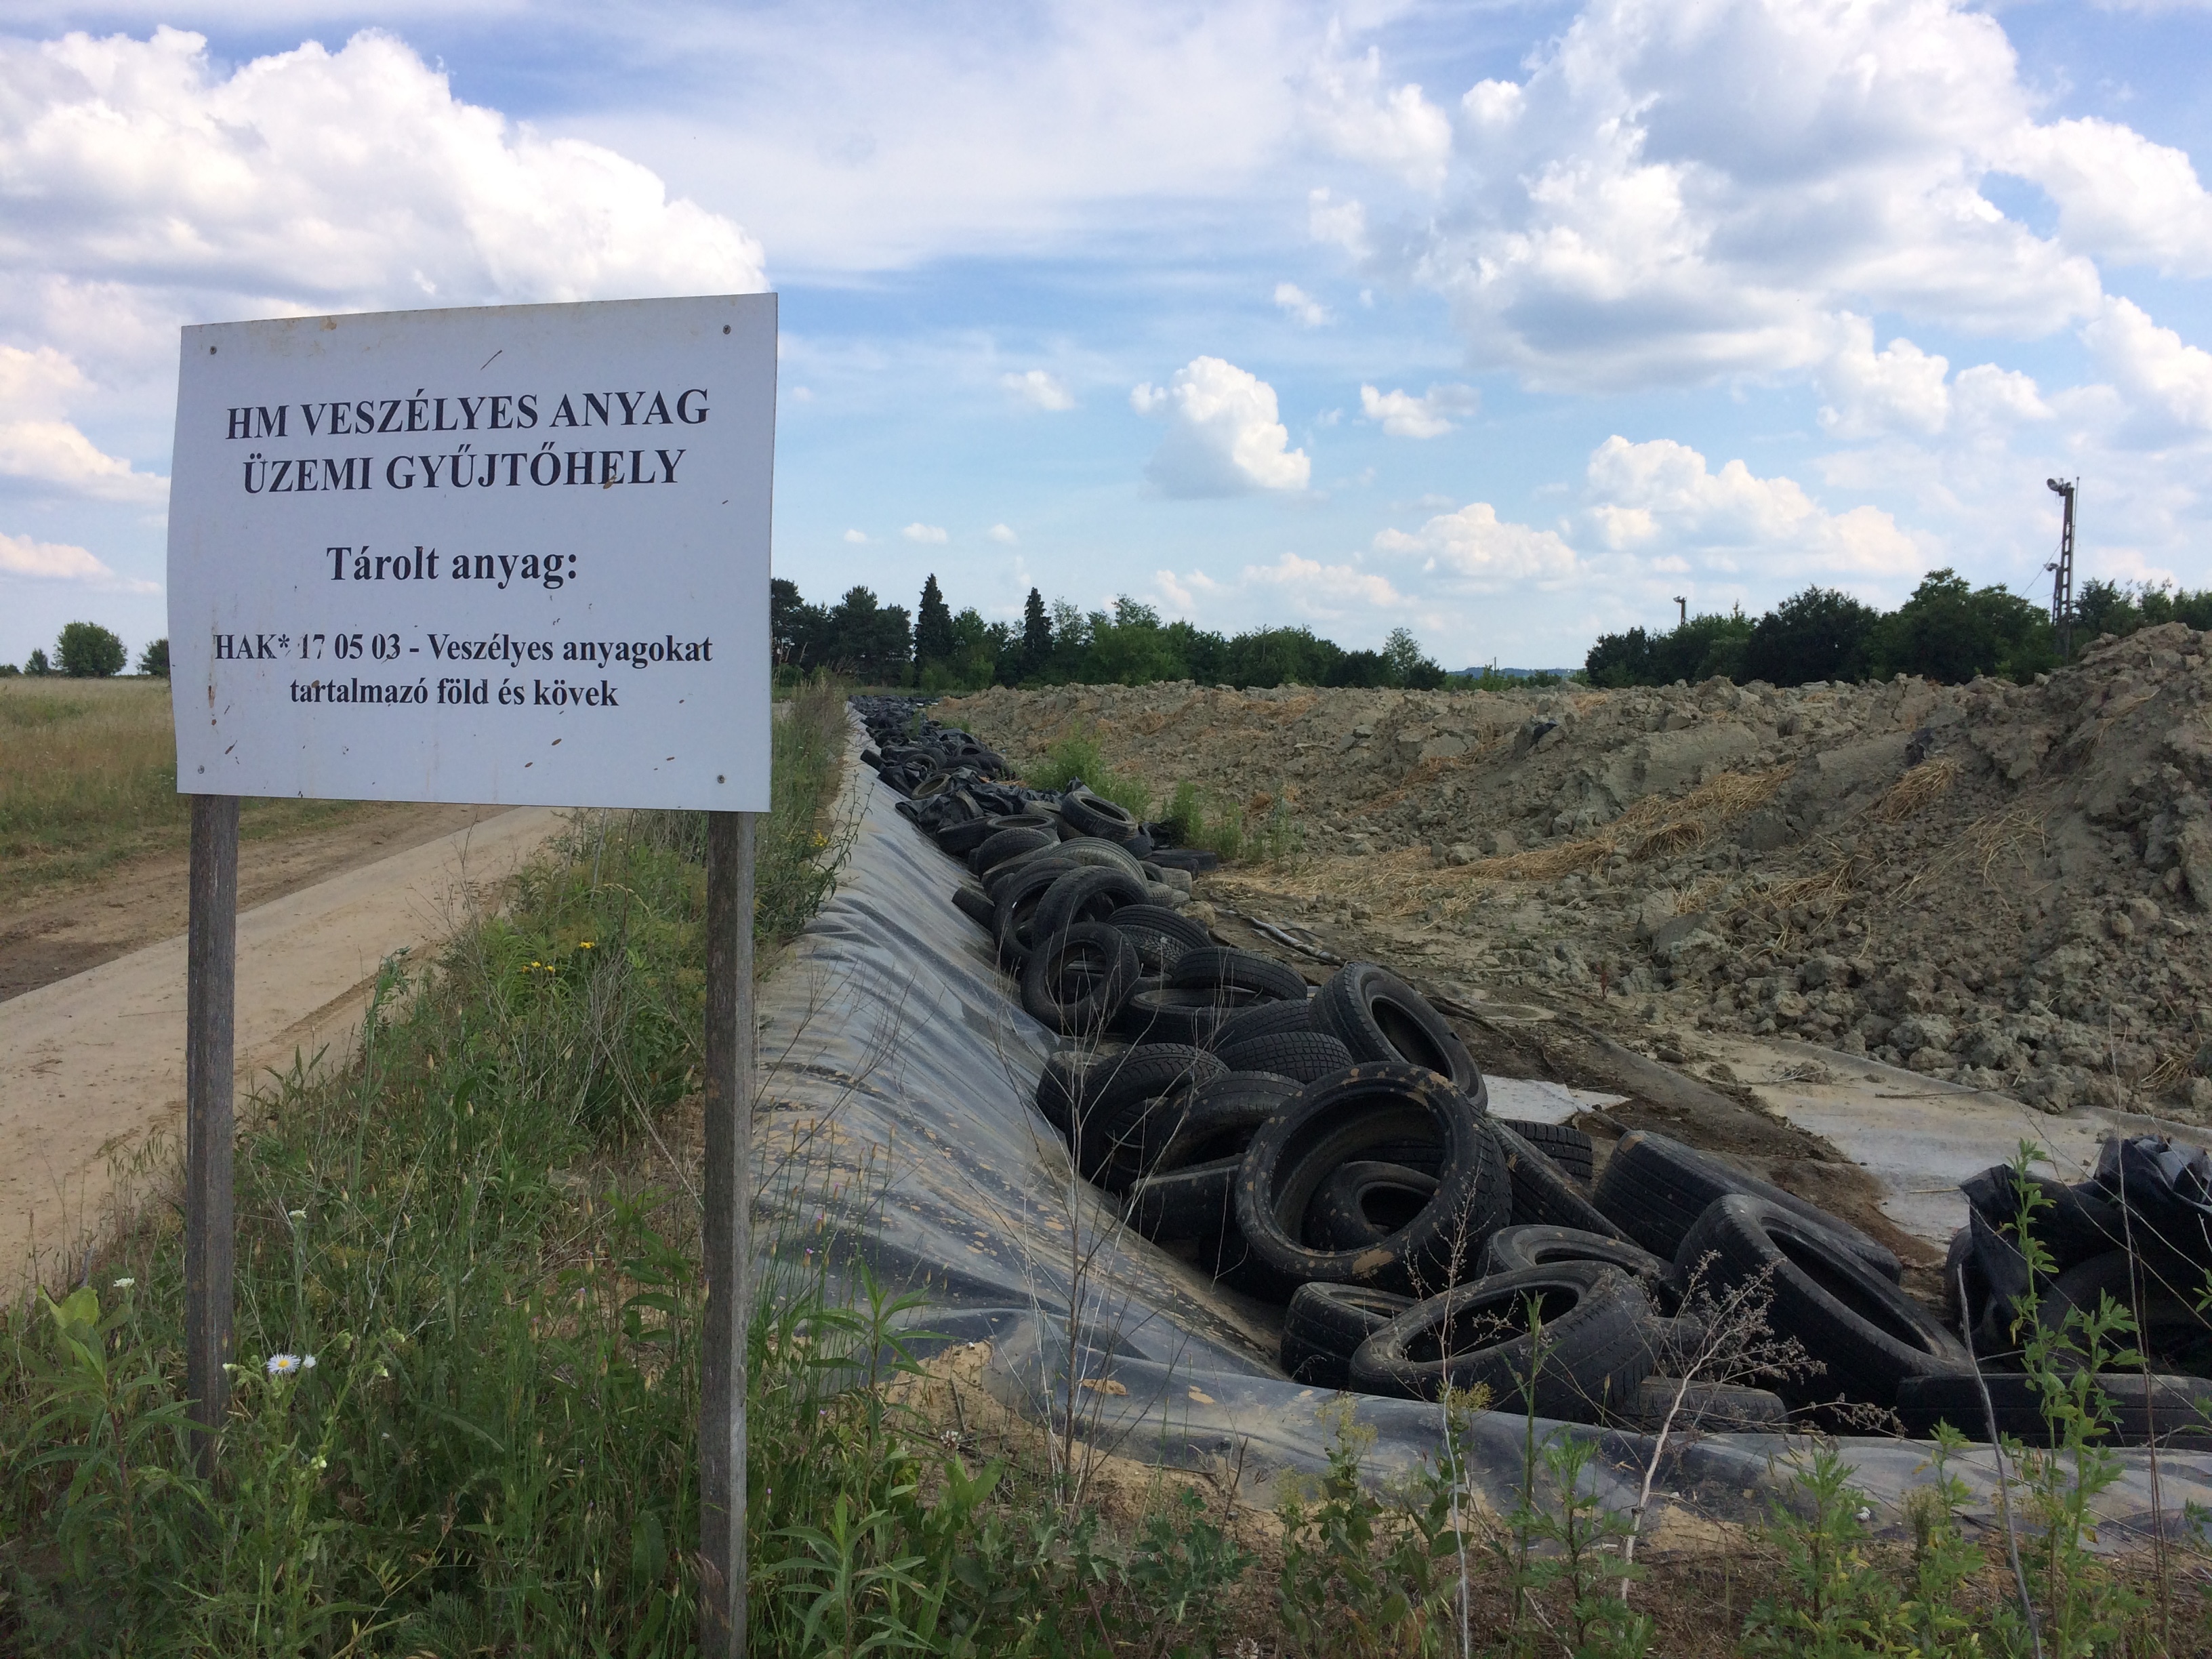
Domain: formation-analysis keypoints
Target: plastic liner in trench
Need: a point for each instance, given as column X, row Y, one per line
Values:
column 895, row 1125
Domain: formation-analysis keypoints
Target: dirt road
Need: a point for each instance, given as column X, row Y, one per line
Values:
column 92, row 1065
column 65, row 930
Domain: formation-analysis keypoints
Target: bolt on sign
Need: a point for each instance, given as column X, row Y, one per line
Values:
column 516, row 555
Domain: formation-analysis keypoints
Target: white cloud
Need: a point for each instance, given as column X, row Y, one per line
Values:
column 1224, row 435
column 1355, row 114
column 2120, row 195
column 932, row 535
column 312, row 179
column 47, row 452
column 1310, row 588
column 58, row 561
column 2168, row 382
column 1300, row 305
column 1619, row 225
column 1402, row 415
column 1474, row 548
column 1659, row 498
column 856, row 536
column 1038, row 389
column 1003, row 534
column 1869, row 392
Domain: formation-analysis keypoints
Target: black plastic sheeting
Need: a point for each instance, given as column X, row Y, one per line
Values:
column 895, row 1125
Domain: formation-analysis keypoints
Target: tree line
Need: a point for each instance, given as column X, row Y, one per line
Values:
column 938, row 649
column 1949, row 630
column 86, row 651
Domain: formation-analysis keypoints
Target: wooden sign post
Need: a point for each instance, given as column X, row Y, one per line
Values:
column 516, row 555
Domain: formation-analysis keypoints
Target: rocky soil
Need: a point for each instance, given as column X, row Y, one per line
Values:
column 2004, row 886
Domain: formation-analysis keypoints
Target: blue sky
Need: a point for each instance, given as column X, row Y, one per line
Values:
column 1505, row 323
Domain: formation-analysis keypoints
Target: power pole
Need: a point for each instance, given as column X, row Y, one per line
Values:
column 1681, row 611
column 2062, row 570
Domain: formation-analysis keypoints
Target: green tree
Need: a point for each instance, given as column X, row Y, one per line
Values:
column 155, row 660
column 1036, row 635
column 37, row 663
column 932, row 625
column 1410, row 666
column 1951, row 631
column 870, row 641
column 87, row 651
column 1697, row 649
column 1818, row 634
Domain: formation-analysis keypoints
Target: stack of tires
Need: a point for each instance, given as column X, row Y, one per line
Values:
column 1330, row 1149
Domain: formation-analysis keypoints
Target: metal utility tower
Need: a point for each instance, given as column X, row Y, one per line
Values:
column 1682, row 611
column 2062, row 571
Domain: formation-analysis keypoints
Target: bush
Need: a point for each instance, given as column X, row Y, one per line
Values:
column 87, row 652
column 155, row 660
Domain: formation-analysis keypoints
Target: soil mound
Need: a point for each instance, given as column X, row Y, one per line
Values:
column 2004, row 886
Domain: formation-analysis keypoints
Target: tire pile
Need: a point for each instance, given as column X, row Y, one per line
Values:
column 1331, row 1150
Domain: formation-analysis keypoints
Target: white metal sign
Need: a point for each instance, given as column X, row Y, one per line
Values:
column 515, row 555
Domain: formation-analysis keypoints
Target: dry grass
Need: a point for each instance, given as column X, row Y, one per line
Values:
column 1401, row 883
column 88, row 776
column 1927, row 782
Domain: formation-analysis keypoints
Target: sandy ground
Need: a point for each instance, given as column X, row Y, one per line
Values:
column 92, row 1065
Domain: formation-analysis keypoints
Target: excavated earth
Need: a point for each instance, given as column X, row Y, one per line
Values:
column 2006, row 887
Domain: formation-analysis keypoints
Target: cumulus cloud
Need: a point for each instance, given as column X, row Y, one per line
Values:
column 1660, row 498
column 1401, row 415
column 314, row 179
column 1474, row 548
column 1037, row 389
column 1868, row 392
column 1300, row 305
column 1225, row 436
column 59, row 561
column 2170, row 383
column 932, row 535
column 47, row 452
column 1003, row 534
column 1619, row 226
column 856, row 536
column 2119, row 196
column 1355, row 114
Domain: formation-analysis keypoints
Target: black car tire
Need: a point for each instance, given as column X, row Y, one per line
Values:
column 1265, row 1019
column 1363, row 1202
column 1324, row 1326
column 1868, row 1335
column 1077, row 983
column 1160, row 934
column 1308, row 1056
column 1569, row 1148
column 1238, row 976
column 1520, row 1245
column 1084, row 894
column 1378, row 1017
column 1543, row 1193
column 1654, row 1189
column 1094, row 815
column 1589, row 1358
column 1707, row 1407
column 1002, row 844
column 1352, row 1116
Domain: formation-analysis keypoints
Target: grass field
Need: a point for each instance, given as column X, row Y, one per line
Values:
column 88, row 778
